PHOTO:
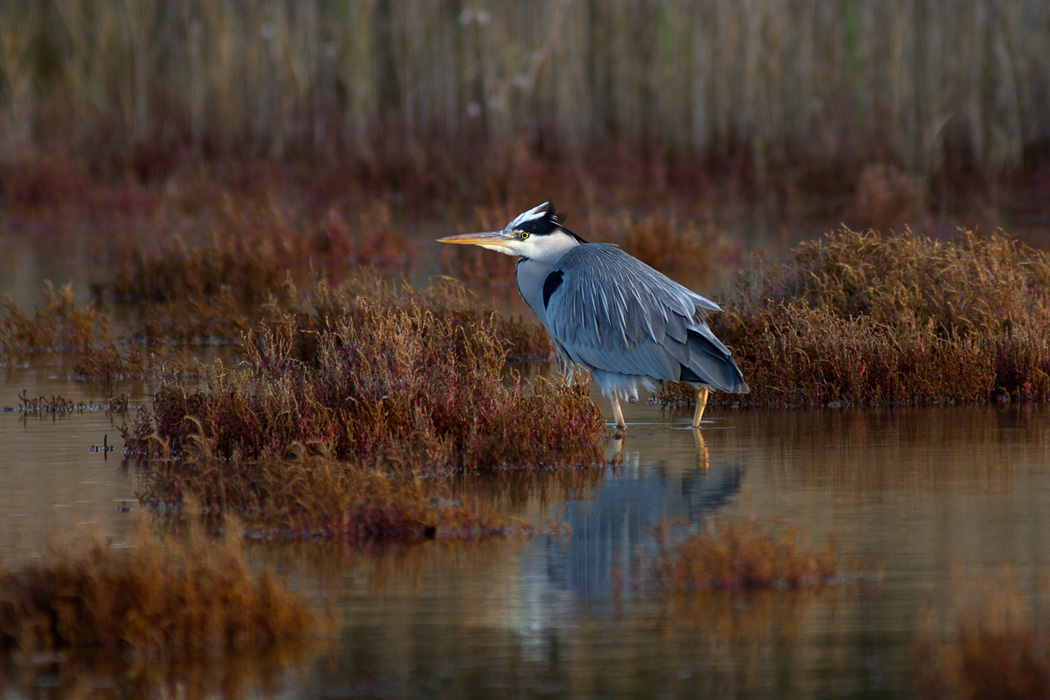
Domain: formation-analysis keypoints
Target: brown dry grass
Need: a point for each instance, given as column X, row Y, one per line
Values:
column 218, row 319
column 57, row 325
column 350, row 404
column 743, row 555
column 889, row 319
column 83, row 333
column 997, row 648
column 391, row 377
column 248, row 253
column 167, row 598
column 886, row 198
column 668, row 241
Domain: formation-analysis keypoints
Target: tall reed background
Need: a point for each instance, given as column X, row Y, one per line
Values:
column 780, row 81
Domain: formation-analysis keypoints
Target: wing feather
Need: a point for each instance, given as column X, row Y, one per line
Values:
column 614, row 313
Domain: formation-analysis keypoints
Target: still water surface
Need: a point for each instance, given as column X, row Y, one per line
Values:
column 940, row 499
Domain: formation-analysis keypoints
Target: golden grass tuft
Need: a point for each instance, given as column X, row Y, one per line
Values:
column 370, row 373
column 996, row 648
column 219, row 319
column 58, row 325
column 891, row 319
column 169, row 598
column 743, row 556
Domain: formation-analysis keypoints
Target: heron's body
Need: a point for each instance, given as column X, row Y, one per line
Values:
column 612, row 314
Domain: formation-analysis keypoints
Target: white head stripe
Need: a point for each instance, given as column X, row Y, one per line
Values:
column 534, row 213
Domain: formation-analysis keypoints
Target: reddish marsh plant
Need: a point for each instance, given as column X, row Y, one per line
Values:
column 869, row 318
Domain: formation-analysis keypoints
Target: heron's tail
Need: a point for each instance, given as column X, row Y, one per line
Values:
column 711, row 363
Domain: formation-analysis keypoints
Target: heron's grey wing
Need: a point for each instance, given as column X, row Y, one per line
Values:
column 614, row 313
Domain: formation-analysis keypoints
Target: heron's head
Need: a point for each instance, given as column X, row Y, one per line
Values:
column 537, row 234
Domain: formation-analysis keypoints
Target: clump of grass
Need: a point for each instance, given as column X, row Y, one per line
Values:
column 388, row 377
column 58, row 325
column 165, row 597
column 213, row 320
column 743, row 555
column 306, row 495
column 248, row 261
column 248, row 253
column 668, row 242
column 877, row 319
column 996, row 648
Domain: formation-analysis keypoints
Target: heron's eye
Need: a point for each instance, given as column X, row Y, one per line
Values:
column 523, row 235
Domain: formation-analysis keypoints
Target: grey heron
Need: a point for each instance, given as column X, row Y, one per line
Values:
column 612, row 314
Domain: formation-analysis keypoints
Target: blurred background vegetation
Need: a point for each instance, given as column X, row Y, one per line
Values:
column 941, row 97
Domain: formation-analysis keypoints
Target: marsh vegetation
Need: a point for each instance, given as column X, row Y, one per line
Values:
column 252, row 190
column 870, row 318
column 166, row 606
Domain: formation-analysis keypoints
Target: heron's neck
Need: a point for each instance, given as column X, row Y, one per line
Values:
column 553, row 247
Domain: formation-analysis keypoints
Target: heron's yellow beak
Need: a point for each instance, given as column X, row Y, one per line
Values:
column 490, row 239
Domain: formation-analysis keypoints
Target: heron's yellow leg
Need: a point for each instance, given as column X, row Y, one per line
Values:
column 701, row 404
column 621, row 425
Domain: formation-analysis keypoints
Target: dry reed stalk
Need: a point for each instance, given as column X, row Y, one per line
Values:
column 929, row 86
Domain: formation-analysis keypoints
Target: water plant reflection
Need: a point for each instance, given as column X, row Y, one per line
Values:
column 743, row 555
column 996, row 647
